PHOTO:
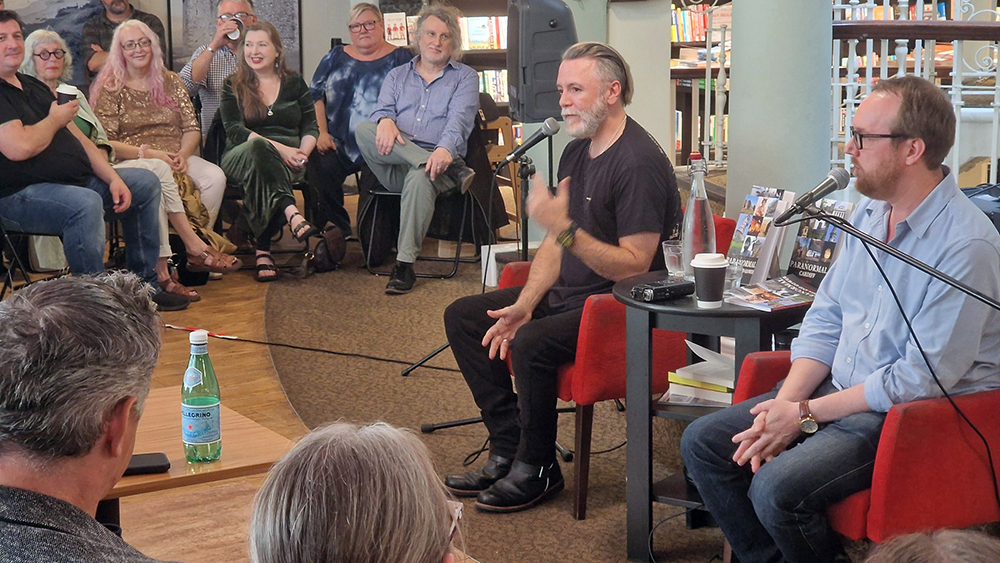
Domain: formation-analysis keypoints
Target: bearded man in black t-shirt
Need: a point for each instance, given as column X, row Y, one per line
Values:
column 616, row 201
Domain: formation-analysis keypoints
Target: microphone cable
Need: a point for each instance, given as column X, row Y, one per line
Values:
column 927, row 362
column 232, row 338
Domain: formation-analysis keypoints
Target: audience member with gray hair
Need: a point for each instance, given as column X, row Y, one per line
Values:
column 364, row 494
column 942, row 546
column 76, row 358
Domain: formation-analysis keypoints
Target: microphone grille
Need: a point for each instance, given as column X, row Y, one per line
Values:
column 841, row 177
column 550, row 127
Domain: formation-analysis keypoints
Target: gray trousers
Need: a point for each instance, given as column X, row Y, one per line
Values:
column 402, row 171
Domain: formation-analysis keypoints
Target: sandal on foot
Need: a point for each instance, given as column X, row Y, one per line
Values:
column 267, row 266
column 176, row 288
column 211, row 260
column 303, row 230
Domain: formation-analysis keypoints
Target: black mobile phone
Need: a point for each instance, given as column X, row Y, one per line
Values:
column 145, row 464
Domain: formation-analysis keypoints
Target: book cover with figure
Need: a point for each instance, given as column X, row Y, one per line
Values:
column 818, row 243
column 757, row 240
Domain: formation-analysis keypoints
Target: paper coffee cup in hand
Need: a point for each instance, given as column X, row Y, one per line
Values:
column 65, row 94
column 709, row 279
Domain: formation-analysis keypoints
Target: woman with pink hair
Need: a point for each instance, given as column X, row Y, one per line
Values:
column 146, row 113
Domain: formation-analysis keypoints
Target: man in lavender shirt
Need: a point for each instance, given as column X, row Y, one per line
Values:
column 417, row 136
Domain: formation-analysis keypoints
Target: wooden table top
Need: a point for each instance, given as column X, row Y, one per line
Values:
column 247, row 447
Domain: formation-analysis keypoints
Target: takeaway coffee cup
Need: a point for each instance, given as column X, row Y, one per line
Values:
column 65, row 94
column 235, row 34
column 709, row 279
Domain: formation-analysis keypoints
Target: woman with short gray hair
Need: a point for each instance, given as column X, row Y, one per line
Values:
column 363, row 494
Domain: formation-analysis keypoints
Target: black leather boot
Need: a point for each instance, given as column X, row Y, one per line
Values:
column 524, row 487
column 474, row 482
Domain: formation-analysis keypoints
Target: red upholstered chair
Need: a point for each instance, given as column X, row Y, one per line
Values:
column 930, row 469
column 598, row 373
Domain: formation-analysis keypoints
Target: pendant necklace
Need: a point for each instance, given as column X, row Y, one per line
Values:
column 613, row 137
column 269, row 111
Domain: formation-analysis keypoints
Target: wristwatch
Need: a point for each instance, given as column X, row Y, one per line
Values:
column 568, row 237
column 807, row 424
column 210, row 49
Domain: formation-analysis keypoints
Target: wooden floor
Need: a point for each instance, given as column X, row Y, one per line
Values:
column 209, row 522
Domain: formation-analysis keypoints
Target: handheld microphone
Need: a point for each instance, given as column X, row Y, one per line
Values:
column 549, row 127
column 837, row 179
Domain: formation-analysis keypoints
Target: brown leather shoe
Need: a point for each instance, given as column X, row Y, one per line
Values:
column 211, row 260
column 176, row 288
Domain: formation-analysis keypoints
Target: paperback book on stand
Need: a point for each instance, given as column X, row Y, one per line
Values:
column 773, row 295
column 708, row 383
column 395, row 28
column 818, row 243
column 757, row 240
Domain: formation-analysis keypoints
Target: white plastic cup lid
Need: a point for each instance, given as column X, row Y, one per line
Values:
column 709, row 260
column 66, row 89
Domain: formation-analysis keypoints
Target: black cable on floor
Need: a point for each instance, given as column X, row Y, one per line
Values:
column 650, row 542
column 308, row 348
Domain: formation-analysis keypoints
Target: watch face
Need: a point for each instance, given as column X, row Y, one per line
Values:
column 809, row 426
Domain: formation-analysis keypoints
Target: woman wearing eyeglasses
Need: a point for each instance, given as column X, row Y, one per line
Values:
column 365, row 494
column 345, row 90
column 147, row 114
column 49, row 59
column 270, row 130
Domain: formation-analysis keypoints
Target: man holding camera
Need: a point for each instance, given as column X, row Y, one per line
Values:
column 211, row 64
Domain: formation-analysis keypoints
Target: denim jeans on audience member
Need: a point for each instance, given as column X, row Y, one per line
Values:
column 77, row 215
column 779, row 513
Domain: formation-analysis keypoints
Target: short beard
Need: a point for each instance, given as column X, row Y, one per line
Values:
column 590, row 120
column 123, row 10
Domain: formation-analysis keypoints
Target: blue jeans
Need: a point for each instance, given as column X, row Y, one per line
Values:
column 77, row 213
column 779, row 513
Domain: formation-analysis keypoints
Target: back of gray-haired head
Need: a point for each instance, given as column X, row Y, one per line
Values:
column 450, row 16
column 71, row 349
column 364, row 494
column 610, row 65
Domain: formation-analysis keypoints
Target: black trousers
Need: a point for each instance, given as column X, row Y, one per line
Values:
column 522, row 425
column 326, row 174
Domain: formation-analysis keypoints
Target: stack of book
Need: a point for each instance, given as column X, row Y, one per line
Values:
column 709, row 383
column 483, row 32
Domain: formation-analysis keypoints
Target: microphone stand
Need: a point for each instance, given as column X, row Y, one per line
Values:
column 847, row 227
column 525, row 172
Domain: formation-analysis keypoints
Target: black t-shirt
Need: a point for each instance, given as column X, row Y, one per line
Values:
column 629, row 189
column 64, row 161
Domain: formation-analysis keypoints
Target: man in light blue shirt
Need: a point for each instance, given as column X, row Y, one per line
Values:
column 854, row 357
column 418, row 134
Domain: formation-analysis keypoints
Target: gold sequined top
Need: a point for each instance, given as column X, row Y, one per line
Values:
column 131, row 117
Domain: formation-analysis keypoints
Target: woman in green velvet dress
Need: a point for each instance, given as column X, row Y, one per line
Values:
column 271, row 128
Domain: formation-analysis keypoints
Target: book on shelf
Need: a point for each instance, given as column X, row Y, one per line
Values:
column 774, row 294
column 411, row 29
column 818, row 243
column 706, row 383
column 483, row 32
column 395, row 28
column 494, row 83
column 757, row 240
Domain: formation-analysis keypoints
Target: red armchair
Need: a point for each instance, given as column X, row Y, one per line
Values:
column 930, row 469
column 598, row 373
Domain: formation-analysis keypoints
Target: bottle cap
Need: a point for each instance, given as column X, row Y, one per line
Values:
column 199, row 337
column 695, row 155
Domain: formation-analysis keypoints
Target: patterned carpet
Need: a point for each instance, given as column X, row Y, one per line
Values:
column 347, row 311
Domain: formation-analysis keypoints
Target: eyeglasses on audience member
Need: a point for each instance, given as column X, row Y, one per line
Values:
column 130, row 46
column 238, row 15
column 44, row 55
column 356, row 27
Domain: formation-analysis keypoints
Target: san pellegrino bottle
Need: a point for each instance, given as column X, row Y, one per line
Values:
column 200, row 404
column 698, row 235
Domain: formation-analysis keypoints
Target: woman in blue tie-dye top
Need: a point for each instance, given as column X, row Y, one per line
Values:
column 345, row 89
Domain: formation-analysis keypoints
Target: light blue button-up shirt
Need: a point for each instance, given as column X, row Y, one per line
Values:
column 855, row 326
column 439, row 114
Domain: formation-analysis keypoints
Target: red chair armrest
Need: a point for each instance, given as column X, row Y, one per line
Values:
column 760, row 372
column 514, row 274
column 931, row 469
